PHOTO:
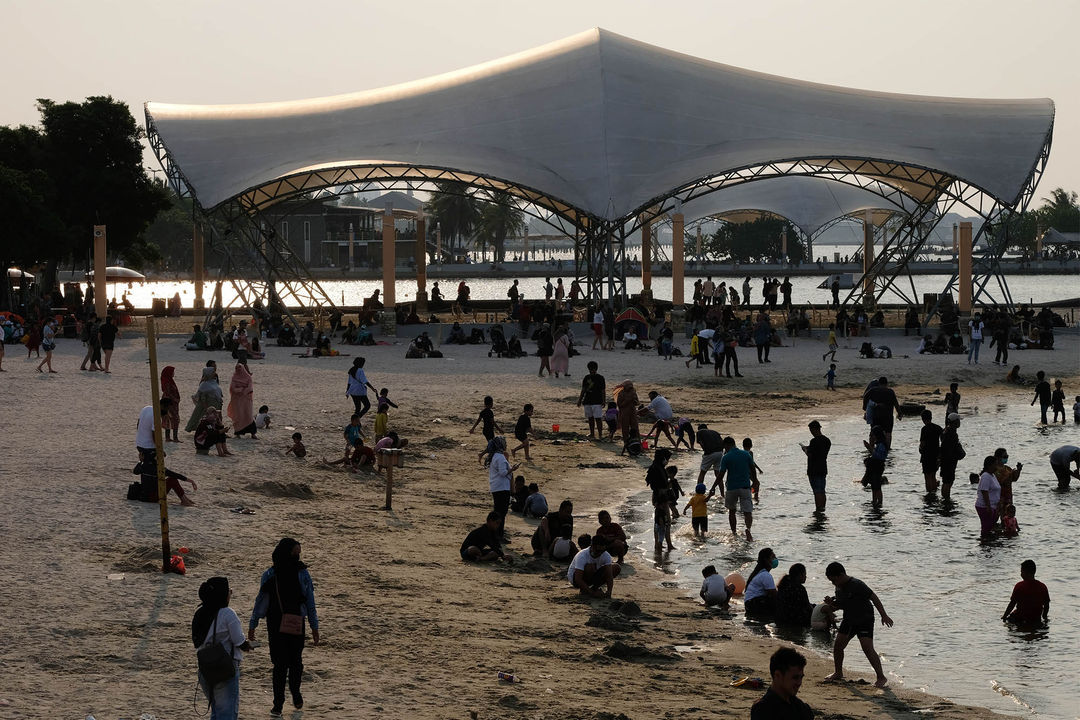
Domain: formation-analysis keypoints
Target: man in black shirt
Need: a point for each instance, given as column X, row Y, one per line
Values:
column 483, row 544
column 817, row 465
column 593, row 394
column 555, row 525
column 1042, row 394
column 930, row 450
column 951, row 452
column 855, row 599
column 108, row 333
column 780, row 701
column 712, row 448
column 885, row 403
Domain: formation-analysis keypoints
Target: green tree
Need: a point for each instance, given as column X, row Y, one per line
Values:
column 759, row 240
column 456, row 209
column 1060, row 211
column 170, row 234
column 500, row 217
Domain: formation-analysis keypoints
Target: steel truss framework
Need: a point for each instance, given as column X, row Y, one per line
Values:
column 260, row 265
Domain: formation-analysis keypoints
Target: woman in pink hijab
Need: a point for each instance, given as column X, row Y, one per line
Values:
column 171, row 420
column 240, row 409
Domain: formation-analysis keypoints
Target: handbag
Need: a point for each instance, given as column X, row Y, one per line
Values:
column 291, row 623
column 215, row 663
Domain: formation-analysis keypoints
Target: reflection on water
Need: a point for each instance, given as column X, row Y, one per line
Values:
column 943, row 585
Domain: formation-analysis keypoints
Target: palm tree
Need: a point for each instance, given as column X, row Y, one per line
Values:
column 500, row 218
column 456, row 209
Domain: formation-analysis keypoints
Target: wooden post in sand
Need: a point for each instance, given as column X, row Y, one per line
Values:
column 389, row 458
column 101, row 299
column 155, row 393
column 197, row 248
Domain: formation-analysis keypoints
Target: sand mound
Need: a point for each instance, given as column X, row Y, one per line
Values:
column 629, row 652
column 148, row 560
column 272, row 488
column 441, row 442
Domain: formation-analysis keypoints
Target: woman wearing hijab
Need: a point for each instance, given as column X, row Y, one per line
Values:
column 171, row 419
column 207, row 396
column 286, row 588
column 358, row 385
column 560, row 355
column 626, row 400
column 210, row 432
column 545, row 346
column 241, row 410
column 215, row 621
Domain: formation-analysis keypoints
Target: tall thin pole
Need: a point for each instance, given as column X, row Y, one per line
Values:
column 155, row 394
column 101, row 300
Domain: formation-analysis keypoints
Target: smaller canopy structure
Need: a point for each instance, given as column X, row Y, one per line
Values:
column 115, row 274
column 17, row 274
column 809, row 203
column 1053, row 237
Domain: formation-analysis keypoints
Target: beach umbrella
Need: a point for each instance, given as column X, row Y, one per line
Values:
column 11, row 316
column 631, row 314
column 16, row 274
column 117, row 274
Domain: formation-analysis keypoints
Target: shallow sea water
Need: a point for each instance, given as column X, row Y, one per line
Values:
column 944, row 588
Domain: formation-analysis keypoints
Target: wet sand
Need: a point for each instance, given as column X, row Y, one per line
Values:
column 408, row 630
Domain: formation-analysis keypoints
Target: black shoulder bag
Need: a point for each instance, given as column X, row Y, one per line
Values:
column 215, row 663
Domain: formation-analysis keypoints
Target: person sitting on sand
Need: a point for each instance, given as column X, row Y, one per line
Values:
column 593, row 568
column 198, row 340
column 553, row 526
column 484, row 544
column 715, row 590
column 535, row 503
column 780, row 702
column 858, row 602
column 211, row 432
column 617, row 542
column 297, row 448
column 146, row 469
column 519, row 494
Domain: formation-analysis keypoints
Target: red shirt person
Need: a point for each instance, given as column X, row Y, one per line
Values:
column 1030, row 601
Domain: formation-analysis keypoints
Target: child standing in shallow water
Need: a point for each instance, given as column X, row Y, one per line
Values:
column 1058, row 401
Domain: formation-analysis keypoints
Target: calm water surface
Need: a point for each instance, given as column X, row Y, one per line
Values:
column 944, row 588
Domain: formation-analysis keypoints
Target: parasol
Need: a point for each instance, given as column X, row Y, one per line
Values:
column 16, row 274
column 117, row 274
column 631, row 314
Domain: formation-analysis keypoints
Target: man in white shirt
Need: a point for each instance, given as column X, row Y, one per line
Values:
column 661, row 409
column 144, row 429
column 591, row 568
column 707, row 288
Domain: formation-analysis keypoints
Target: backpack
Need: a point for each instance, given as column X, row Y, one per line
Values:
column 134, row 491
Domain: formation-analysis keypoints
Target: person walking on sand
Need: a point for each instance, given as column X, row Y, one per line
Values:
column 215, row 622
column 48, row 344
column 817, row 463
column 358, row 385
column 286, row 599
column 500, row 476
column 108, row 334
column 171, row 419
column 858, row 602
column 560, row 353
column 207, row 396
column 545, row 347
column 241, row 409
column 592, row 396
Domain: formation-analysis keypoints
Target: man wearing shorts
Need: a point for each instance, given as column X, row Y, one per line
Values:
column 1059, row 463
column 738, row 466
column 817, row 463
column 950, row 453
column 858, row 602
column 593, row 394
column 712, row 445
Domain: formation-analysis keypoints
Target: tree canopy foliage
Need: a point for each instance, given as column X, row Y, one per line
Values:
column 82, row 167
column 456, row 210
column 759, row 240
column 500, row 218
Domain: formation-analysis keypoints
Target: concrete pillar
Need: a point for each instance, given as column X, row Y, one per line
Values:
column 677, row 260
column 197, row 247
column 525, row 243
column 101, row 302
column 868, row 252
column 955, row 239
column 389, row 257
column 964, row 268
column 783, row 244
column 646, row 255
column 352, row 238
column 438, row 243
column 421, row 263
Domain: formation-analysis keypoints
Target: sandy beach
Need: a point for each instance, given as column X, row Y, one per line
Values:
column 408, row 630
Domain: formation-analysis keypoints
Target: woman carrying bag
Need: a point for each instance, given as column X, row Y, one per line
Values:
column 219, row 638
column 286, row 597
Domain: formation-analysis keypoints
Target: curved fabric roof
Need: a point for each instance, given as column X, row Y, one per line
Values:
column 809, row 203
column 601, row 123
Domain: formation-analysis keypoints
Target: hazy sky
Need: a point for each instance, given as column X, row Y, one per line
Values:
column 197, row 51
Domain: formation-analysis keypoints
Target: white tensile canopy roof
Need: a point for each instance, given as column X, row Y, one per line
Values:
column 602, row 124
column 809, row 203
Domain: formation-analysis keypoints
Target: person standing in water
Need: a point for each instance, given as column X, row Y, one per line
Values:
column 857, row 601
column 930, row 450
column 817, row 463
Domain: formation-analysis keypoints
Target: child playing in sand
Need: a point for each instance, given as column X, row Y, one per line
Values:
column 674, row 490
column 1008, row 521
column 830, row 377
column 1057, row 400
column 832, row 345
column 684, row 433
column 519, row 494
column 356, row 453
column 487, row 417
column 262, row 420
column 714, row 589
column 522, row 431
column 755, row 485
column 823, row 616
column 700, row 516
column 297, row 448
column 382, row 413
column 611, row 417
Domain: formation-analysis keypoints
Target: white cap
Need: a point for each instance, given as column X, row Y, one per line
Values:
column 952, row 417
